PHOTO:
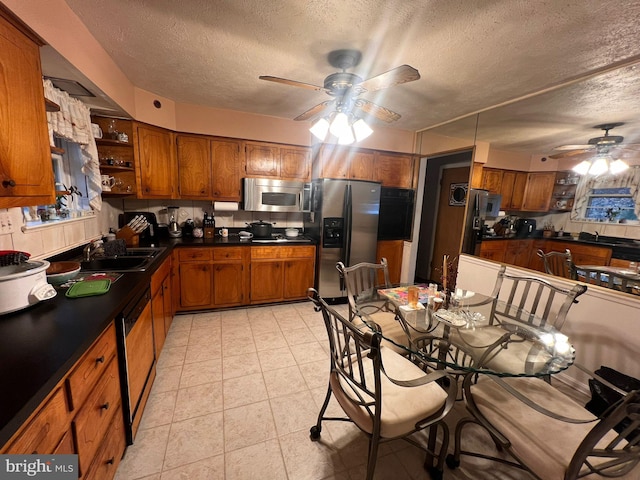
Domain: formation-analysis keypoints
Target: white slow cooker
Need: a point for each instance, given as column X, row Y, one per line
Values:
column 24, row 285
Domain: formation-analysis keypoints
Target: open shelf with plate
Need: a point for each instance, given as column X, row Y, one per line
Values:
column 564, row 191
column 116, row 153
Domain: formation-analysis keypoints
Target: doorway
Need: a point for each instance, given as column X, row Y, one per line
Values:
column 441, row 224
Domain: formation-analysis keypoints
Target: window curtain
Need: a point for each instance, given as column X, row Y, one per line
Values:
column 73, row 125
column 630, row 179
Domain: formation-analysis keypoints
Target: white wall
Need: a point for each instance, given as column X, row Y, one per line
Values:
column 602, row 326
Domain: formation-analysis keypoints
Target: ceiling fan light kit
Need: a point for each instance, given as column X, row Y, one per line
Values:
column 345, row 88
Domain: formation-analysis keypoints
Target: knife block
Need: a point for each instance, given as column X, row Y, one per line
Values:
column 131, row 238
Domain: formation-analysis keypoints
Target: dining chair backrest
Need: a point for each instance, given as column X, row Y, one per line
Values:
column 362, row 280
column 559, row 264
column 607, row 279
column 381, row 391
column 532, row 300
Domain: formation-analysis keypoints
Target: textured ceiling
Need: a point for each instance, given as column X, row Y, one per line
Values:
column 471, row 56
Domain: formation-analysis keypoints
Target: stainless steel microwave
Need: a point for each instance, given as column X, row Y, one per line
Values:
column 269, row 195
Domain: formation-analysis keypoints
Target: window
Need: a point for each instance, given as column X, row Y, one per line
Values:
column 610, row 205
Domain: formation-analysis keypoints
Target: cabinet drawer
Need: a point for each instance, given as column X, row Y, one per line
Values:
column 282, row 252
column 187, row 254
column 108, row 458
column 43, row 433
column 91, row 367
column 228, row 253
column 93, row 420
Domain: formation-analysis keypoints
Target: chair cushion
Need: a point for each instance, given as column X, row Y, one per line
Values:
column 545, row 444
column 392, row 330
column 402, row 407
column 519, row 356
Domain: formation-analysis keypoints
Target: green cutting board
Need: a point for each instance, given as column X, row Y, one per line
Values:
column 88, row 288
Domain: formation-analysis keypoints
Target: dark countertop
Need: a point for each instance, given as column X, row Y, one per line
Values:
column 39, row 345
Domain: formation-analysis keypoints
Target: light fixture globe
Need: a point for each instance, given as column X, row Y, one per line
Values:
column 599, row 166
column 320, row 129
column 339, row 125
column 618, row 166
column 361, row 130
column 582, row 168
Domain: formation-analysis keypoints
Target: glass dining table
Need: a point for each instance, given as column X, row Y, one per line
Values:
column 475, row 333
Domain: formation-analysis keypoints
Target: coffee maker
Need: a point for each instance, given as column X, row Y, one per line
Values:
column 524, row 227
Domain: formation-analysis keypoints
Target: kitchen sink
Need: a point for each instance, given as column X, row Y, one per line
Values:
column 134, row 260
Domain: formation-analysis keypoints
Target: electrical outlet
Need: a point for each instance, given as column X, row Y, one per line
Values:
column 6, row 226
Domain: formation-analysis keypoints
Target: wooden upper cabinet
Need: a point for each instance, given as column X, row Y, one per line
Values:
column 26, row 171
column 333, row 162
column 194, row 167
column 262, row 159
column 537, row 194
column 476, row 175
column 361, row 165
column 393, row 170
column 492, row 179
column 154, row 155
column 295, row 163
column 512, row 189
column 226, row 165
column 286, row 162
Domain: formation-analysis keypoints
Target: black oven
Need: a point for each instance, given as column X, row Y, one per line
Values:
column 396, row 213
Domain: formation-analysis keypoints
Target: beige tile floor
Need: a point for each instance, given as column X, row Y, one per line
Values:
column 235, row 395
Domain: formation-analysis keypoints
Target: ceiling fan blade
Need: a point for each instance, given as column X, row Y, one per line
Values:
column 574, row 147
column 377, row 111
column 396, row 76
column 313, row 111
column 570, row 153
column 292, row 83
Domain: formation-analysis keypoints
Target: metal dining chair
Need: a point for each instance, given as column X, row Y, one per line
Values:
column 385, row 395
column 559, row 264
column 362, row 282
column 547, row 433
column 603, row 278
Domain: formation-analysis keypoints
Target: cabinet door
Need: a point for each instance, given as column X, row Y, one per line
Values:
column 295, row 163
column 226, row 166
column 506, row 189
column 394, row 170
column 492, row 179
column 157, row 309
column 167, row 299
column 266, row 281
column 519, row 185
column 334, row 162
column 228, row 284
column 537, row 194
column 26, row 172
column 155, row 160
column 298, row 277
column 392, row 251
column 494, row 250
column 262, row 159
column 361, row 165
column 194, row 167
column 195, row 285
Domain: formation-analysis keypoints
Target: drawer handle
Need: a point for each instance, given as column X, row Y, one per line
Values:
column 9, row 183
column 105, row 406
column 100, row 359
column 111, row 461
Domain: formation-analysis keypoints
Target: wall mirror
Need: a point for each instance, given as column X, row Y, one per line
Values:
column 524, row 135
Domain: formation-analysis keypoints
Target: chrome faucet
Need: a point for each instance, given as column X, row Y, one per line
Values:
column 597, row 235
column 91, row 249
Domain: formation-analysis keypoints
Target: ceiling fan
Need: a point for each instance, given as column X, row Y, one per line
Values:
column 345, row 87
column 598, row 145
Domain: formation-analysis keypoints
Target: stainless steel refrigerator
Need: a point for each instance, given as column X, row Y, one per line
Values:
column 344, row 221
column 477, row 203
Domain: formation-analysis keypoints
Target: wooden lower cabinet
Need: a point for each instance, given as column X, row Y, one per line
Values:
column 212, row 277
column 161, row 304
column 517, row 253
column 82, row 415
column 494, row 250
column 392, row 251
column 281, row 273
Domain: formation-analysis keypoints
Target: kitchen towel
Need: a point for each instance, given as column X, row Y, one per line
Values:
column 225, row 206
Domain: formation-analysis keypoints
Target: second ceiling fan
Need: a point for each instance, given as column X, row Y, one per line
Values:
column 345, row 87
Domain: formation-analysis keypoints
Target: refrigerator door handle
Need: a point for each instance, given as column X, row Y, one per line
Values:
column 348, row 224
